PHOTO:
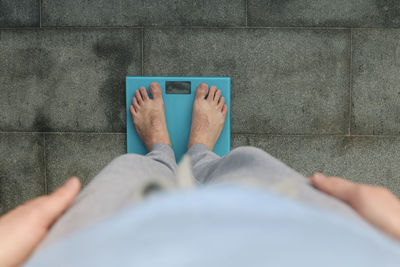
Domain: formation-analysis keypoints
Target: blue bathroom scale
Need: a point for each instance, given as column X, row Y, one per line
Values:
column 178, row 94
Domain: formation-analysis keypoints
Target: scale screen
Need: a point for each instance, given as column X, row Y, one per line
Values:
column 177, row 87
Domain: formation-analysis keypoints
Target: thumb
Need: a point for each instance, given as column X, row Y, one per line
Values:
column 377, row 205
column 58, row 201
column 23, row 228
column 337, row 187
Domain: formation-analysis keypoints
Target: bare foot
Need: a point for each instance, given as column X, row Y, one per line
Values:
column 148, row 116
column 208, row 116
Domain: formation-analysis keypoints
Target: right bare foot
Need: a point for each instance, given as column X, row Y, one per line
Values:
column 208, row 116
column 148, row 116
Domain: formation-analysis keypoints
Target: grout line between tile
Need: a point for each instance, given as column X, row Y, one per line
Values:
column 143, row 51
column 200, row 27
column 247, row 13
column 45, row 164
column 350, row 80
column 92, row 27
column 271, row 134
column 55, row 133
column 243, row 27
column 371, row 135
column 71, row 28
column 315, row 135
column 268, row 27
column 40, row 13
column 233, row 133
column 187, row 27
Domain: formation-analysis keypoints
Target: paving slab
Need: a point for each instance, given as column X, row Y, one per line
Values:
column 20, row 13
column 238, row 140
column 372, row 160
column 144, row 13
column 81, row 155
column 324, row 13
column 22, row 172
column 66, row 79
column 375, row 82
column 285, row 81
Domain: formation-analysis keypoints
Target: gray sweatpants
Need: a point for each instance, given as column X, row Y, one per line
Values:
column 129, row 178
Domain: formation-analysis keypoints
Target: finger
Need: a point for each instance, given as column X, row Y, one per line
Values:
column 375, row 204
column 58, row 201
column 334, row 186
column 22, row 228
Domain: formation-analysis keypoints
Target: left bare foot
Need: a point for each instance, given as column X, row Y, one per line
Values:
column 209, row 116
column 148, row 116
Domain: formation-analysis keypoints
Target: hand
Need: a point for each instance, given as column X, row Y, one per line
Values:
column 22, row 228
column 375, row 204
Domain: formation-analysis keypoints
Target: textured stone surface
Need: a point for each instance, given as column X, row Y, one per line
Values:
column 375, row 82
column 19, row 13
column 238, row 140
column 283, row 80
column 148, row 12
column 289, row 85
column 336, row 13
column 22, row 173
column 81, row 155
column 373, row 160
column 66, row 80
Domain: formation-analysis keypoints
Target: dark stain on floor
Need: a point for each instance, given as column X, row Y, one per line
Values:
column 119, row 57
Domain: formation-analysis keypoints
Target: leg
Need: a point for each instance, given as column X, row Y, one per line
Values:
column 247, row 165
column 203, row 162
column 128, row 178
column 209, row 113
column 124, row 181
column 254, row 167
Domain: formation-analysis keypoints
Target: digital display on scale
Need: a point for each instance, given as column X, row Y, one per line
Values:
column 177, row 87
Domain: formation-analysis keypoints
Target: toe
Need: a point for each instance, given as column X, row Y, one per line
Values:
column 211, row 94
column 202, row 91
column 144, row 94
column 217, row 95
column 221, row 102
column 132, row 110
column 135, row 104
column 138, row 97
column 155, row 90
column 225, row 110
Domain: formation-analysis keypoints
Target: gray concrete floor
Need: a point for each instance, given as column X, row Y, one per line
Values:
column 314, row 83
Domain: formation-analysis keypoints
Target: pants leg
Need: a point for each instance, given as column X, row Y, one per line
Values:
column 124, row 181
column 253, row 166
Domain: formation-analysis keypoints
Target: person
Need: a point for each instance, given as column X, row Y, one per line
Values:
column 244, row 209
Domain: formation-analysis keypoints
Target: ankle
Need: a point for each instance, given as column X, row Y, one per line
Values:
column 156, row 141
column 191, row 144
